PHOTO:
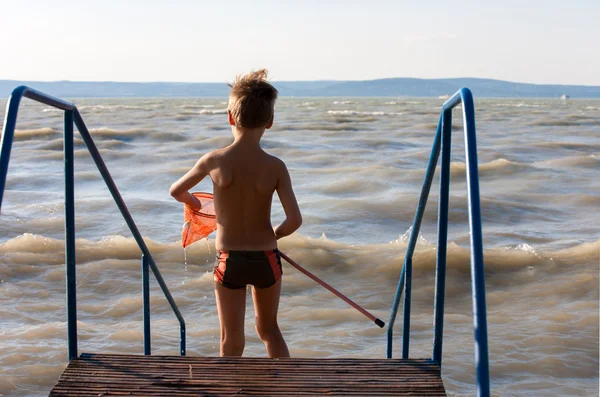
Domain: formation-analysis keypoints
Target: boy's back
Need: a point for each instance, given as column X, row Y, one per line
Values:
column 244, row 180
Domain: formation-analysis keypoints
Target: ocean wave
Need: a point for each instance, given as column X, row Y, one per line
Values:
column 88, row 175
column 387, row 206
column 426, row 126
column 591, row 162
column 113, row 108
column 35, row 134
column 374, row 171
column 37, row 249
column 382, row 143
column 581, row 116
column 113, row 144
column 493, row 168
column 585, row 200
column 321, row 159
column 351, row 186
column 320, row 253
column 197, row 106
column 584, row 147
column 53, row 155
column 220, row 127
column 58, row 144
column 213, row 111
column 202, row 111
column 519, row 105
column 217, row 141
column 566, row 123
column 434, row 113
column 359, row 113
column 105, row 133
column 318, row 127
column 343, row 102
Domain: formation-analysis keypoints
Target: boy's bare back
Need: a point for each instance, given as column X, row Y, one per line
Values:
column 244, row 180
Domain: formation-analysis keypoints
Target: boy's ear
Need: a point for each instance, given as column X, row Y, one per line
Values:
column 231, row 120
column 270, row 124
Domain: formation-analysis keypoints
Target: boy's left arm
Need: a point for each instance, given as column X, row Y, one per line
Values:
column 180, row 189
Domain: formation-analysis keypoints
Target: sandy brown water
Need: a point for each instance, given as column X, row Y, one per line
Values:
column 357, row 165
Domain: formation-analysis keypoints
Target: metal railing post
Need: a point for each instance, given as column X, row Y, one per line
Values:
column 146, row 300
column 406, row 305
column 443, row 205
column 414, row 234
column 8, row 133
column 477, row 265
column 70, row 236
column 182, row 339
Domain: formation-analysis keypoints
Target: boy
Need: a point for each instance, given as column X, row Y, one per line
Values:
column 244, row 179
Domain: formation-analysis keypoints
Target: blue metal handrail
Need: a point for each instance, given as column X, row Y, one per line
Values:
column 72, row 116
column 442, row 142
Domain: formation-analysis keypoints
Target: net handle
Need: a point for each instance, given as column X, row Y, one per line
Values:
column 343, row 297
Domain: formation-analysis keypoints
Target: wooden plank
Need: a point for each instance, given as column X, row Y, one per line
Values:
column 100, row 375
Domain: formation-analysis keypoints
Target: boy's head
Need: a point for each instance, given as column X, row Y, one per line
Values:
column 252, row 100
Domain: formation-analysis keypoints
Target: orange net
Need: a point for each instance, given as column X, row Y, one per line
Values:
column 198, row 224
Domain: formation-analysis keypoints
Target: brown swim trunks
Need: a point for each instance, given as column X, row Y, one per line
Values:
column 236, row 269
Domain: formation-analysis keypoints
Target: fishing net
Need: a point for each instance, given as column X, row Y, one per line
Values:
column 198, row 224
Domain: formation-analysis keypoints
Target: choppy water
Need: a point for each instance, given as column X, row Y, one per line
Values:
column 357, row 167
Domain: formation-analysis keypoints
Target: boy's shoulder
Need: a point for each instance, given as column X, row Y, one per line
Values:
column 274, row 158
column 216, row 156
column 276, row 162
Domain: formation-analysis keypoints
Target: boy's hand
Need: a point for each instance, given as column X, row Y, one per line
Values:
column 192, row 201
column 195, row 204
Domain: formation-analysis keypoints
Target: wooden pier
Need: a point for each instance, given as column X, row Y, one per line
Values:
column 103, row 375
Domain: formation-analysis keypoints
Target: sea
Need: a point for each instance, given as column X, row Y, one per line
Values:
column 357, row 167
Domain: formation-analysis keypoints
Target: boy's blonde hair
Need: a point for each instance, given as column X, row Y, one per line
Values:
column 252, row 100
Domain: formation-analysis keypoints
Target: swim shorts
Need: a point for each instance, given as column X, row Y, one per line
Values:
column 236, row 269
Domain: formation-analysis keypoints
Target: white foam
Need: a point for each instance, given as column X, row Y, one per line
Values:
column 358, row 113
column 215, row 111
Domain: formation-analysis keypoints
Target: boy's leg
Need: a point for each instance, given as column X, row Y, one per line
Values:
column 231, row 306
column 266, row 304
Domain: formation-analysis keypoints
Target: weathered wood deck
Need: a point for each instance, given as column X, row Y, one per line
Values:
column 103, row 375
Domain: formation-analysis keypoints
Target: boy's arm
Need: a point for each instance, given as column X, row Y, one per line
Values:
column 180, row 189
column 293, row 218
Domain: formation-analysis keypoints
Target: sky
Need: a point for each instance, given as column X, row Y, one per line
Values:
column 532, row 41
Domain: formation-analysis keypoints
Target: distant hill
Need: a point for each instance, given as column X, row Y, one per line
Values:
column 396, row 87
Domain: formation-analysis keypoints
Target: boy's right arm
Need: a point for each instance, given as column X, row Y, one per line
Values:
column 180, row 189
column 293, row 218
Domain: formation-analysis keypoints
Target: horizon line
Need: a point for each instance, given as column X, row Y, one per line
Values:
column 296, row 81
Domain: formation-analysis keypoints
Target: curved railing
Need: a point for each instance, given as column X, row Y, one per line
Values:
column 72, row 116
column 442, row 142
